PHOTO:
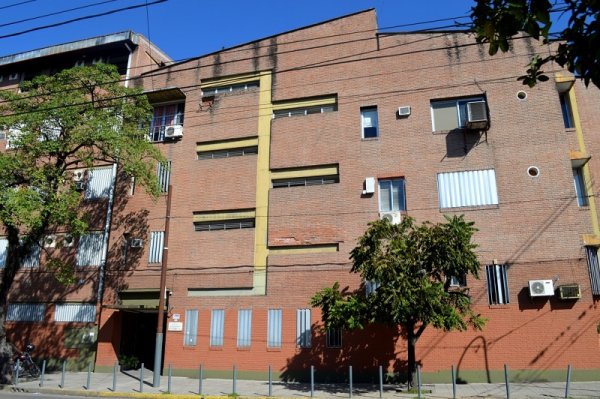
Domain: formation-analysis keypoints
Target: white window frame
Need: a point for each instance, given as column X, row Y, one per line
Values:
column 190, row 329
column 461, row 110
column 303, row 328
column 369, row 119
column 401, row 206
column 74, row 313
column 274, row 328
column 95, row 239
column 497, row 284
column 470, row 188
column 244, row 330
column 155, row 252
column 217, row 327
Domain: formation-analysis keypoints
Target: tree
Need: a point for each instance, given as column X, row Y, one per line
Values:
column 411, row 267
column 497, row 21
column 76, row 118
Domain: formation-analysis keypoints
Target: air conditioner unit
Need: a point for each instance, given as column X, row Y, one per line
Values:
column 50, row 241
column 78, row 174
column 569, row 291
column 68, row 240
column 174, row 131
column 393, row 217
column 404, row 110
column 477, row 117
column 541, row 288
column 136, row 243
column 369, row 185
column 80, row 185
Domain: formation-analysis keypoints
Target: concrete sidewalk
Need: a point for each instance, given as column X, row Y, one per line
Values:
column 128, row 385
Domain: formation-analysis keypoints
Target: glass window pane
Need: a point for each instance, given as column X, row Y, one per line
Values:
column 190, row 331
column 444, row 116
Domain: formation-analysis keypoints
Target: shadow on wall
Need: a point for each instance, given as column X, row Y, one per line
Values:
column 364, row 350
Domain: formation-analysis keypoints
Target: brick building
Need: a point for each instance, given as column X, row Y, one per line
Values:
column 282, row 150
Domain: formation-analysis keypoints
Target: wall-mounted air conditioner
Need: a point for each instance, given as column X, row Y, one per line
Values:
column 50, row 241
column 78, row 174
column 569, row 291
column 174, row 131
column 477, row 117
column 393, row 217
column 369, row 185
column 136, row 243
column 541, row 288
column 80, row 185
column 404, row 110
column 68, row 240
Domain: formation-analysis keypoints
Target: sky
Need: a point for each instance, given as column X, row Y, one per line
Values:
column 189, row 28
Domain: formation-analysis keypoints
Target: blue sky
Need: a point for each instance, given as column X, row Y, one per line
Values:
column 188, row 28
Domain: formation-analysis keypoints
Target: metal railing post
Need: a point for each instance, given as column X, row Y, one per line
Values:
column 506, row 382
column 89, row 377
column 350, row 381
column 42, row 376
column 201, row 377
column 62, row 375
column 170, row 376
column 380, row 381
column 568, row 386
column 312, row 381
column 18, row 366
column 270, row 382
column 115, row 371
column 142, row 378
column 234, row 380
column 418, row 381
column 453, row 383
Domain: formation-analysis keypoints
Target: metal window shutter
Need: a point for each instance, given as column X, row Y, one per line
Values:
column 274, row 328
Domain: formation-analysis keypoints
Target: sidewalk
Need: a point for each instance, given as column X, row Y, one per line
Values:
column 128, row 385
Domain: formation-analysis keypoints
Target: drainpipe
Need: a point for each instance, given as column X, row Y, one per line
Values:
column 109, row 210
column 161, row 296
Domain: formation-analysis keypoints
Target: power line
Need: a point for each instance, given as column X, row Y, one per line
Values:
column 16, row 4
column 55, row 13
column 78, row 19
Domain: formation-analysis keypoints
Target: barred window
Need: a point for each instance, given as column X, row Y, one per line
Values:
column 497, row 284
column 30, row 312
column 224, row 225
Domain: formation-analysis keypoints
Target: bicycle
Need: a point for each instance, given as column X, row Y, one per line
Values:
column 23, row 363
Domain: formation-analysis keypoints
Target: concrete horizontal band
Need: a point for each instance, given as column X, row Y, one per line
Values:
column 304, row 103
column 224, row 215
column 309, row 171
column 231, row 80
column 303, row 249
column 227, row 144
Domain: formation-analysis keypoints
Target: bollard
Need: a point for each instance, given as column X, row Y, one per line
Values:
column 418, row 381
column 114, row 387
column 200, row 378
column 18, row 366
column 453, row 383
column 506, row 381
column 43, row 374
column 380, row 381
column 350, row 381
column 142, row 378
column 270, row 382
column 312, row 381
column 89, row 377
column 234, row 380
column 62, row 376
column 170, row 376
column 568, row 381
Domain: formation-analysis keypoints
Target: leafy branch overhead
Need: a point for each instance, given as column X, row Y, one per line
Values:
column 409, row 268
column 497, row 22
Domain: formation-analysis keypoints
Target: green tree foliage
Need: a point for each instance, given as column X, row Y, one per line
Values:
column 497, row 21
column 412, row 266
column 76, row 118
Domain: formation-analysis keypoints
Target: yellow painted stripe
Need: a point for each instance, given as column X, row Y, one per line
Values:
column 304, row 103
column 224, row 215
column 310, row 171
column 227, row 144
column 231, row 80
column 304, row 249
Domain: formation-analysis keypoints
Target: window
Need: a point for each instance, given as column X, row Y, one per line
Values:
column 580, row 187
column 497, row 284
column 244, row 331
column 157, row 239
column 190, row 330
column 469, row 188
column 3, row 252
column 75, row 312
column 334, row 338
column 368, row 122
column 163, row 117
column 303, row 328
column 458, row 281
column 32, row 258
column 25, row 312
column 302, row 111
column 163, row 172
column 14, row 76
column 224, row 225
column 391, row 195
column 274, row 328
column 306, row 181
column 228, row 153
column 89, row 250
column 567, row 110
column 450, row 114
column 371, row 286
column 99, row 182
column 217, row 326
column 593, row 269
column 211, row 91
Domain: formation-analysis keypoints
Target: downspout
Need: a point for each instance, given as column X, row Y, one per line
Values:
column 109, row 209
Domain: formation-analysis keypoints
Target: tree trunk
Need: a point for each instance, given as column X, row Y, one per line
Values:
column 412, row 360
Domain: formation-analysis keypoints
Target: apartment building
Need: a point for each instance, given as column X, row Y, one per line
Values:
column 283, row 149
column 61, row 320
